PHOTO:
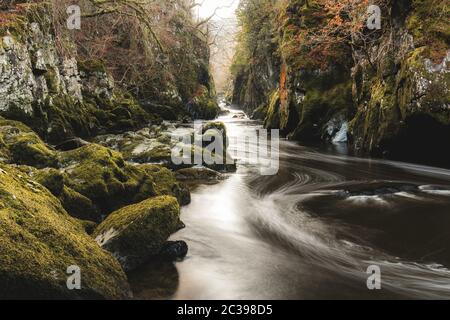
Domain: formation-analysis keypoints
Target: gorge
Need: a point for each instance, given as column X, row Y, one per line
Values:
column 89, row 118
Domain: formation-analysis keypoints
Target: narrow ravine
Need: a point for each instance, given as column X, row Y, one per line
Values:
column 311, row 231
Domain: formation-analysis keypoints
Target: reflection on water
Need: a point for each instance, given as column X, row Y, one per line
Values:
column 311, row 231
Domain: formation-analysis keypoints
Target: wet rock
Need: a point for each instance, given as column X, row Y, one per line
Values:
column 198, row 174
column 174, row 250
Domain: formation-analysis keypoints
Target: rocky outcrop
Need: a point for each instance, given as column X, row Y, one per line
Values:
column 402, row 91
column 386, row 96
column 61, row 96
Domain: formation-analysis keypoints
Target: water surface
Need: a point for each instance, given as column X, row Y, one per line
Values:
column 311, row 231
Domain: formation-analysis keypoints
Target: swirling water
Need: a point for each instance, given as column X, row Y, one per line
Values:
column 311, row 231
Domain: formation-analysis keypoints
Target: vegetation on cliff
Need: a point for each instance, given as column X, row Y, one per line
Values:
column 321, row 69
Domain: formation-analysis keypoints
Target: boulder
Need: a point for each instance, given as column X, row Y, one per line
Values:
column 39, row 241
column 174, row 250
column 136, row 233
column 19, row 144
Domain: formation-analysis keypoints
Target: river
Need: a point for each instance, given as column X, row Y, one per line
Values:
column 311, row 231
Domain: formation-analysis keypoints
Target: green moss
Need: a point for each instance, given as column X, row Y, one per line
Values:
column 272, row 120
column 203, row 105
column 24, row 146
column 165, row 183
column 79, row 206
column 428, row 23
column 39, row 241
column 52, row 179
column 103, row 176
column 137, row 232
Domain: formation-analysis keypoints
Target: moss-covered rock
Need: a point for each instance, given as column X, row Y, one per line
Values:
column 403, row 95
column 135, row 233
column 103, row 176
column 165, row 183
column 197, row 175
column 203, row 105
column 77, row 205
column 22, row 146
column 39, row 241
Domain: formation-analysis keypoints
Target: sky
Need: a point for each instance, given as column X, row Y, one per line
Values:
column 223, row 50
column 227, row 10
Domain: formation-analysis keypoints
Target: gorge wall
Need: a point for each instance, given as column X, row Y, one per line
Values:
column 48, row 82
column 315, row 71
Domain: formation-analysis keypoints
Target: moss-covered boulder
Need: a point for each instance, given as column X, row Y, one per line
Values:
column 77, row 205
column 98, row 174
column 20, row 145
column 135, row 233
column 166, row 184
column 203, row 105
column 39, row 241
column 103, row 176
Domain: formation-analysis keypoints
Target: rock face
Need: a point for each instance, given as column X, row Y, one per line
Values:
column 40, row 241
column 403, row 94
column 58, row 96
column 389, row 97
column 135, row 233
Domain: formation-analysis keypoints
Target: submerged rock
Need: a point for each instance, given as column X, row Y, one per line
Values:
column 39, row 241
column 137, row 232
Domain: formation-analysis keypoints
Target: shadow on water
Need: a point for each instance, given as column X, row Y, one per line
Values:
column 156, row 280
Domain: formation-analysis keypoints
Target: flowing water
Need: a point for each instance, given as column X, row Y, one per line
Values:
column 311, row 231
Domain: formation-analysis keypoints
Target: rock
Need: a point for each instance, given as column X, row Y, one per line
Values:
column 240, row 115
column 135, row 233
column 71, row 144
column 39, row 241
column 103, row 176
column 198, row 174
column 77, row 205
column 165, row 183
column 22, row 146
column 203, row 105
column 174, row 250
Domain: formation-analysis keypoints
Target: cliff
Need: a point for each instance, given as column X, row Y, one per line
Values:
column 63, row 92
column 316, row 72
